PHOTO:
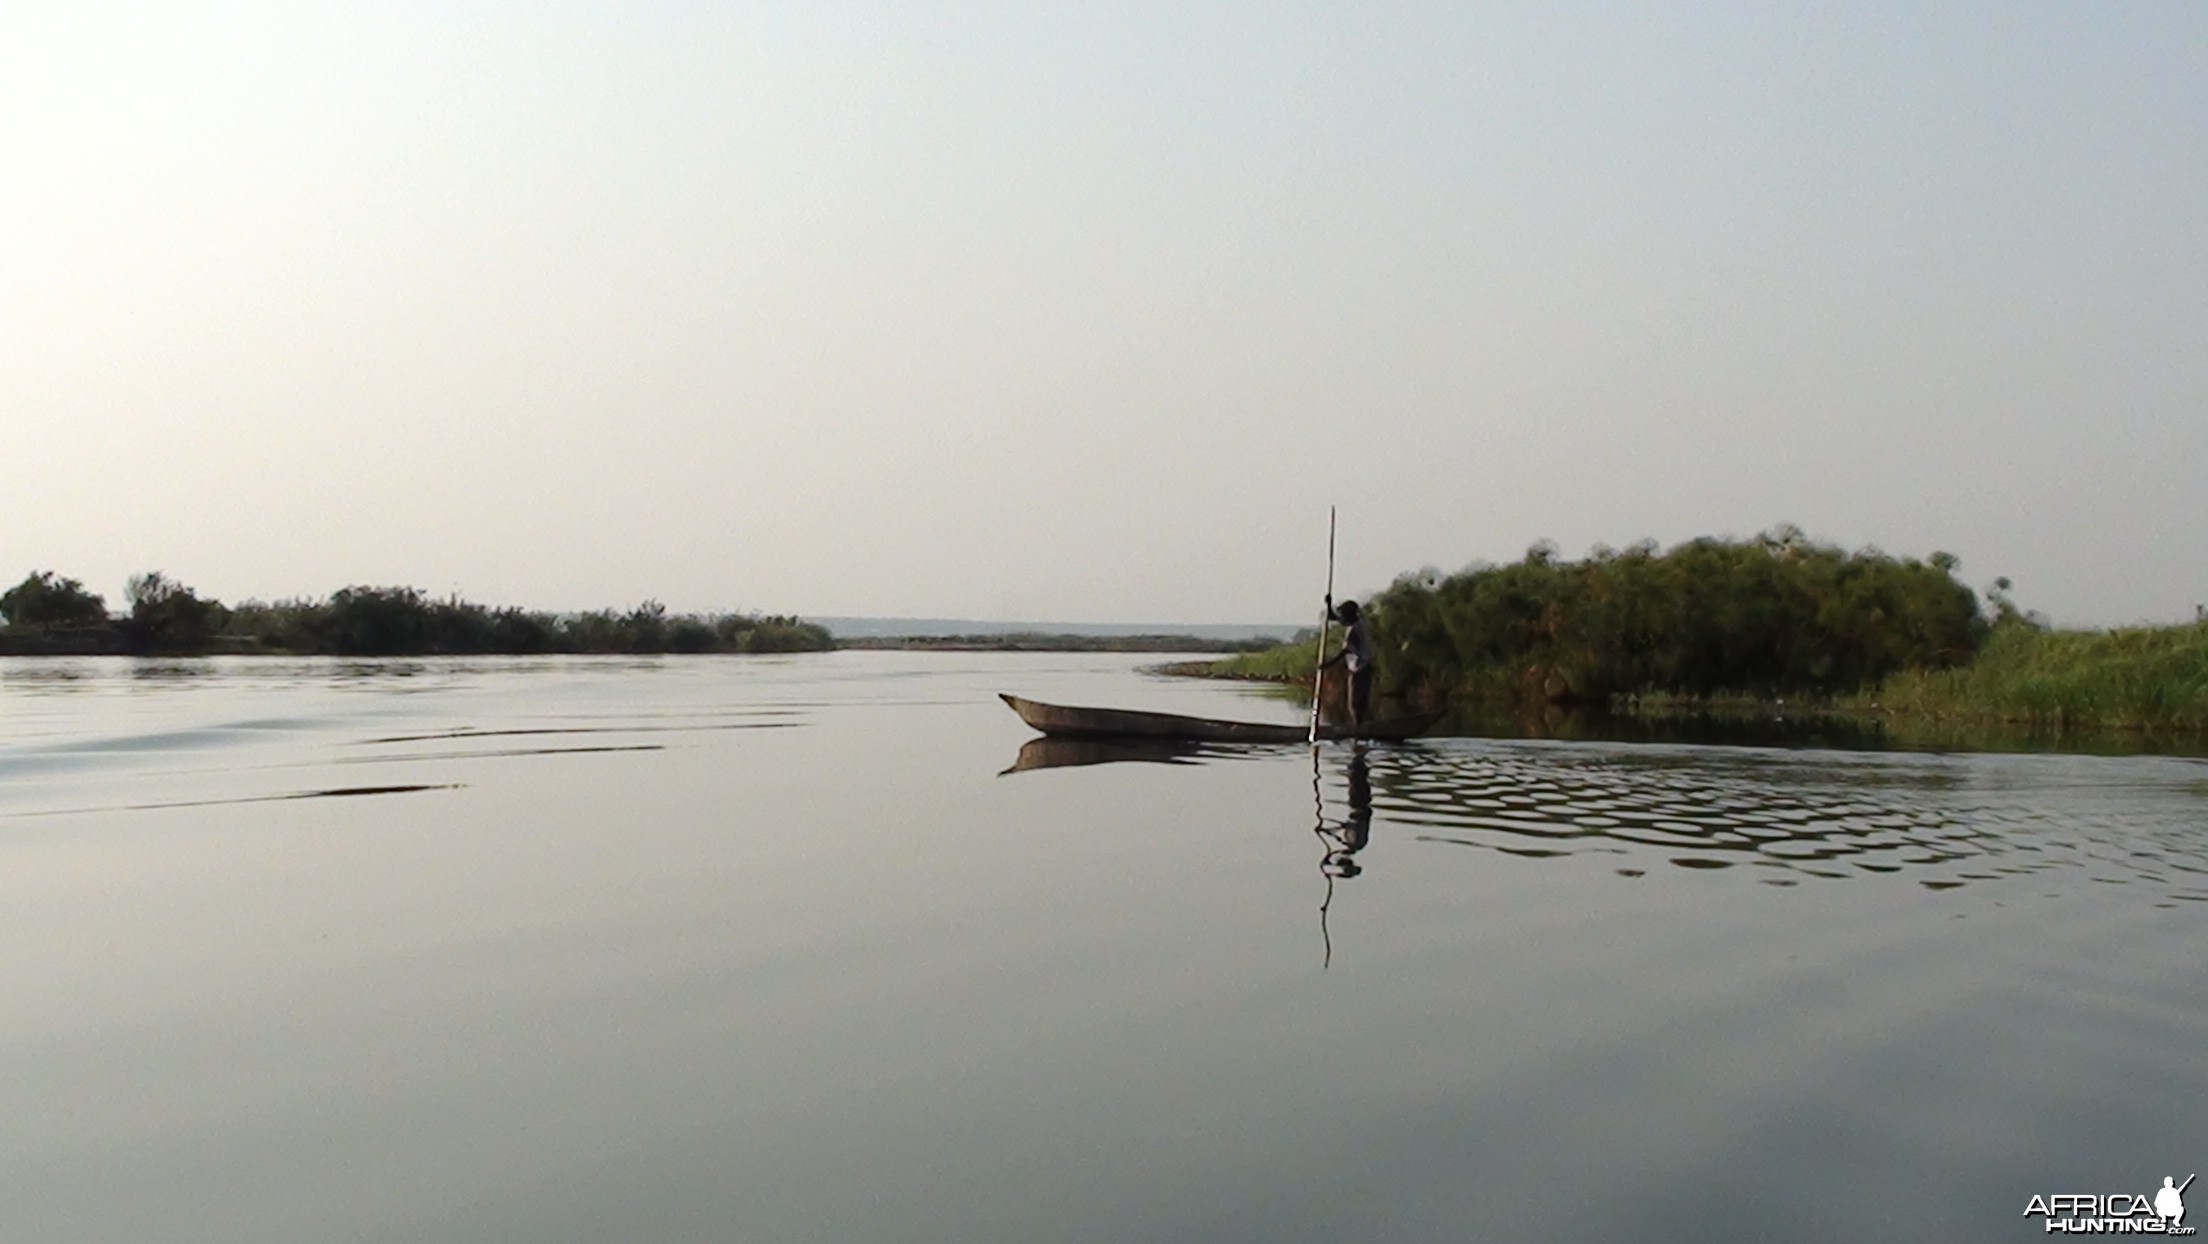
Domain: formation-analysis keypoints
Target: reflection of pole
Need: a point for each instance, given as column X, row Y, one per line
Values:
column 1326, row 615
column 1319, row 800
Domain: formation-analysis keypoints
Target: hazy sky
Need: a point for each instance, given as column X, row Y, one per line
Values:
column 1088, row 311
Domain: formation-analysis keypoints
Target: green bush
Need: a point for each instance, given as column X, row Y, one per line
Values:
column 47, row 601
column 166, row 616
column 1775, row 615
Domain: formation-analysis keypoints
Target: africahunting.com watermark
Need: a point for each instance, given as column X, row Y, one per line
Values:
column 2115, row 1213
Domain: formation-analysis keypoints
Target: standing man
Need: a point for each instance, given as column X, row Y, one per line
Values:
column 1356, row 655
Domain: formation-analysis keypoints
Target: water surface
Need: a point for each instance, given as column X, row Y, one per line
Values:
column 811, row 948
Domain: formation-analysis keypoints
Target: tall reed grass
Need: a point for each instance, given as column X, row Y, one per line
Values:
column 2145, row 678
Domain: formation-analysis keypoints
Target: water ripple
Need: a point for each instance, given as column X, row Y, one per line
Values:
column 335, row 792
column 1940, row 821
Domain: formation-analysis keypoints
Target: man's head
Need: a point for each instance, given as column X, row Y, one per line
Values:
column 1348, row 611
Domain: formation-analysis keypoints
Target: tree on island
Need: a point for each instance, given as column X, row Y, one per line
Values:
column 46, row 601
column 166, row 616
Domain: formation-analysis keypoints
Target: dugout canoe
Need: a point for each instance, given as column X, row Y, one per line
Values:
column 1065, row 721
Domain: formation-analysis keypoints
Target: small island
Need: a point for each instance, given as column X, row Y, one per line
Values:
column 1776, row 624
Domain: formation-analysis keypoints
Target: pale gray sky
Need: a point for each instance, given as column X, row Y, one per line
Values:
column 1089, row 311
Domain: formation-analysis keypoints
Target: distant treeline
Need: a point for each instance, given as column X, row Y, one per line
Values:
column 49, row 614
column 1776, row 615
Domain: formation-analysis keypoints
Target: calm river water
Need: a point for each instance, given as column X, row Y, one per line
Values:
column 797, row 949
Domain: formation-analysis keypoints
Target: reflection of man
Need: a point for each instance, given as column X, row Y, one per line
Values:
column 1346, row 838
column 2170, row 1201
column 1355, row 830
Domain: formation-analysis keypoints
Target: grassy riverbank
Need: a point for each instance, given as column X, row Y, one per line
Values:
column 2027, row 687
column 2135, row 678
column 1291, row 662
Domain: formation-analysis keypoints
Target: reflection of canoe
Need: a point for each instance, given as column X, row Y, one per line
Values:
column 1119, row 723
column 1047, row 752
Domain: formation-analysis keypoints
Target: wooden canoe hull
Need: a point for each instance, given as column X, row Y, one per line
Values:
column 1064, row 721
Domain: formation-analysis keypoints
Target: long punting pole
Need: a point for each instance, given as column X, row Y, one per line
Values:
column 1326, row 615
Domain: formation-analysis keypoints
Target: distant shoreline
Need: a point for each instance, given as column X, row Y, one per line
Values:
column 1028, row 641
column 854, row 629
column 50, row 615
column 107, row 644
